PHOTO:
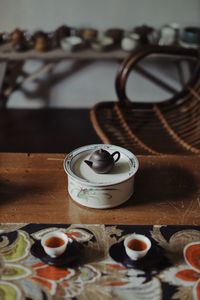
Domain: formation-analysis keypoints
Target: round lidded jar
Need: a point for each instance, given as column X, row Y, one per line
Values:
column 90, row 189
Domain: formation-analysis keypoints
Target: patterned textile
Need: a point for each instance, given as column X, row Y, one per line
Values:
column 97, row 275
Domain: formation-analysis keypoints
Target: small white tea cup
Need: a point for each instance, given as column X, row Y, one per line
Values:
column 137, row 245
column 54, row 243
column 130, row 42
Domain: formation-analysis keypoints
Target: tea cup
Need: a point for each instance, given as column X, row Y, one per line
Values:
column 130, row 42
column 137, row 246
column 54, row 243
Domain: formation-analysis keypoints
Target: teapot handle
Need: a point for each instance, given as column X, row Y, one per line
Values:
column 118, row 155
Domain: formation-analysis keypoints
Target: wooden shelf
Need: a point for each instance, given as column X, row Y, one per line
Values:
column 14, row 61
column 6, row 53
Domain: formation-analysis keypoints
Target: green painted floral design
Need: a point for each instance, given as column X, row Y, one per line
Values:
column 11, row 254
column 88, row 274
column 19, row 249
column 23, row 276
column 9, row 291
column 14, row 272
column 92, row 194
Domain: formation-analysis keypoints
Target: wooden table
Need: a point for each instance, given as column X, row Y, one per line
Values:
column 33, row 188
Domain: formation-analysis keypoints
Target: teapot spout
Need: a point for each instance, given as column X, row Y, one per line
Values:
column 89, row 163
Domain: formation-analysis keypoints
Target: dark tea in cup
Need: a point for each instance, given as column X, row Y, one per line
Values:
column 137, row 245
column 54, row 243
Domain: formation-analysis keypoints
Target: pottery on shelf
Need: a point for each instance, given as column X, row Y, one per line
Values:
column 144, row 31
column 41, row 41
column 61, row 33
column 16, row 35
column 18, row 40
column 88, row 34
column 4, row 37
column 116, row 34
column 191, row 35
column 72, row 43
column 130, row 41
column 168, row 36
column 102, row 43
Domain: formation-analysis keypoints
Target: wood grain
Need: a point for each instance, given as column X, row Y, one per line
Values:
column 33, row 188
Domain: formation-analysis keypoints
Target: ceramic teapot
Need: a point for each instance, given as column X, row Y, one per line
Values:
column 101, row 161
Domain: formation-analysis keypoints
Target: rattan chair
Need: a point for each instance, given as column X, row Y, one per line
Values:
column 169, row 127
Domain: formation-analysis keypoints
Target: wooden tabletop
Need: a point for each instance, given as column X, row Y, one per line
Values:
column 33, row 188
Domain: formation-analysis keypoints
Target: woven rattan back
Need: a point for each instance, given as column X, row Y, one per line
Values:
column 167, row 127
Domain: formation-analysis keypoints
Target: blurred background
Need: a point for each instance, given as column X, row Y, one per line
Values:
column 79, row 85
column 93, row 82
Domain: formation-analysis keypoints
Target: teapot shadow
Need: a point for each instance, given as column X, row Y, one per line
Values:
column 12, row 191
column 120, row 168
column 162, row 183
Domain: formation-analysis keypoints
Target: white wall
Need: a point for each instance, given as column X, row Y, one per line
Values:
column 48, row 14
column 95, row 82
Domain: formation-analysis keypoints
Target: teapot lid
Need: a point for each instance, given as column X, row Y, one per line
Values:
column 75, row 166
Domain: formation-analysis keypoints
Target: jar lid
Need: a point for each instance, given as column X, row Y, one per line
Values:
column 124, row 169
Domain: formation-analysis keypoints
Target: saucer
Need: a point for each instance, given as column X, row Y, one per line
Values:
column 70, row 257
column 153, row 260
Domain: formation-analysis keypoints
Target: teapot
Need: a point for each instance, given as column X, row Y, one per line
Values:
column 101, row 161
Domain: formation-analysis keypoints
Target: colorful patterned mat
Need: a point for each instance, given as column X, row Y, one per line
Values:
column 173, row 271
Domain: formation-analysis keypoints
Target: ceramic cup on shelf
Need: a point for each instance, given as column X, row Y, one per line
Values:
column 4, row 37
column 16, row 35
column 61, row 33
column 54, row 243
column 130, row 42
column 169, row 35
column 18, row 40
column 116, row 34
column 137, row 246
column 191, row 35
column 41, row 42
column 87, row 34
column 72, row 43
column 102, row 43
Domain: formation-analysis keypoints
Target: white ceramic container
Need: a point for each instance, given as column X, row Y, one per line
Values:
column 100, row 190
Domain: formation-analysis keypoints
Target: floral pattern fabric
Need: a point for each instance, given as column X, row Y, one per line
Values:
column 99, row 276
